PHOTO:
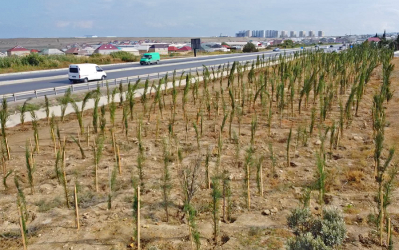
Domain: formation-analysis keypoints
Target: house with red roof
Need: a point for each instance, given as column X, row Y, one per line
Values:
column 172, row 49
column 18, row 51
column 374, row 39
column 34, row 51
column 184, row 49
column 106, row 49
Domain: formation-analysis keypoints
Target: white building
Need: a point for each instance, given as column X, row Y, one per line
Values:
column 212, row 46
column 283, row 34
column 131, row 50
column 51, row 52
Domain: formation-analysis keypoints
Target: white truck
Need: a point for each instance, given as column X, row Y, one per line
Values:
column 85, row 72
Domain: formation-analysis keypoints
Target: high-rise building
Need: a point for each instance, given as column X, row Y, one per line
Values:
column 271, row 33
column 261, row 33
column 248, row 33
column 321, row 33
column 311, row 33
column 283, row 34
column 302, row 33
column 292, row 34
column 240, row 33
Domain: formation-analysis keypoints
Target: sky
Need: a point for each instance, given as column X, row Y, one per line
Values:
column 184, row 18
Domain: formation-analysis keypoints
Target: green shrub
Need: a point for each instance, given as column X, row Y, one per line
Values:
column 124, row 56
column 330, row 230
column 333, row 229
column 307, row 242
column 299, row 220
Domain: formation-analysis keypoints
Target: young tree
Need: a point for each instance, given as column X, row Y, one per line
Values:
column 249, row 47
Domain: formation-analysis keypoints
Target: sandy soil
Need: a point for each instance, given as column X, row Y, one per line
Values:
column 350, row 182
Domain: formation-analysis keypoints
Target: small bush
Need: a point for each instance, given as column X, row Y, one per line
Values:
column 299, row 220
column 307, row 242
column 355, row 176
column 330, row 230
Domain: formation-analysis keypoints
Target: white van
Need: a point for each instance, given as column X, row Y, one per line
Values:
column 85, row 72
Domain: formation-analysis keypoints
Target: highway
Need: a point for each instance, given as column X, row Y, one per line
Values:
column 13, row 83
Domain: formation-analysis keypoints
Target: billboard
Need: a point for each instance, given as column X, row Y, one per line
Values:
column 196, row 43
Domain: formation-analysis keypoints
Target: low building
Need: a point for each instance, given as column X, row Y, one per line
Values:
column 323, row 40
column 172, row 49
column 212, row 47
column 3, row 54
column 89, row 50
column 184, row 49
column 18, row 51
column 106, row 49
column 143, row 49
column 331, row 40
column 161, row 48
column 373, row 39
column 51, row 52
column 131, row 50
column 75, row 51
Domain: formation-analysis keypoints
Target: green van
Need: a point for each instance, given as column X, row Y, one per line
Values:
column 150, row 58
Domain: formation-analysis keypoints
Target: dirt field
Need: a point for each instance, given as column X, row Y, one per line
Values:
column 350, row 182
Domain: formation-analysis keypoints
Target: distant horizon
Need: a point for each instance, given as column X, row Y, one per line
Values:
column 226, row 36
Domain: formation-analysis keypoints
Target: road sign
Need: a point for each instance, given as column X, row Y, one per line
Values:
column 195, row 45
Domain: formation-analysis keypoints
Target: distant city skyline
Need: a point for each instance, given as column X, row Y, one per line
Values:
column 179, row 18
column 278, row 33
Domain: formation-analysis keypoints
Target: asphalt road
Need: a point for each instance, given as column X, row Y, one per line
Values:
column 122, row 71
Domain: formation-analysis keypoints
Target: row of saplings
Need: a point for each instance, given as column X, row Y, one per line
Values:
column 312, row 233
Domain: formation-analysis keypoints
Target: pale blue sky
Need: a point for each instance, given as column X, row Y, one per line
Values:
column 152, row 18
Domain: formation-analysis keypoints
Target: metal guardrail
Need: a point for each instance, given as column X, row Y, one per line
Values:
column 19, row 96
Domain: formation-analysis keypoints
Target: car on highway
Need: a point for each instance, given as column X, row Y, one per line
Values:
column 331, row 46
column 85, row 72
column 150, row 58
column 276, row 49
